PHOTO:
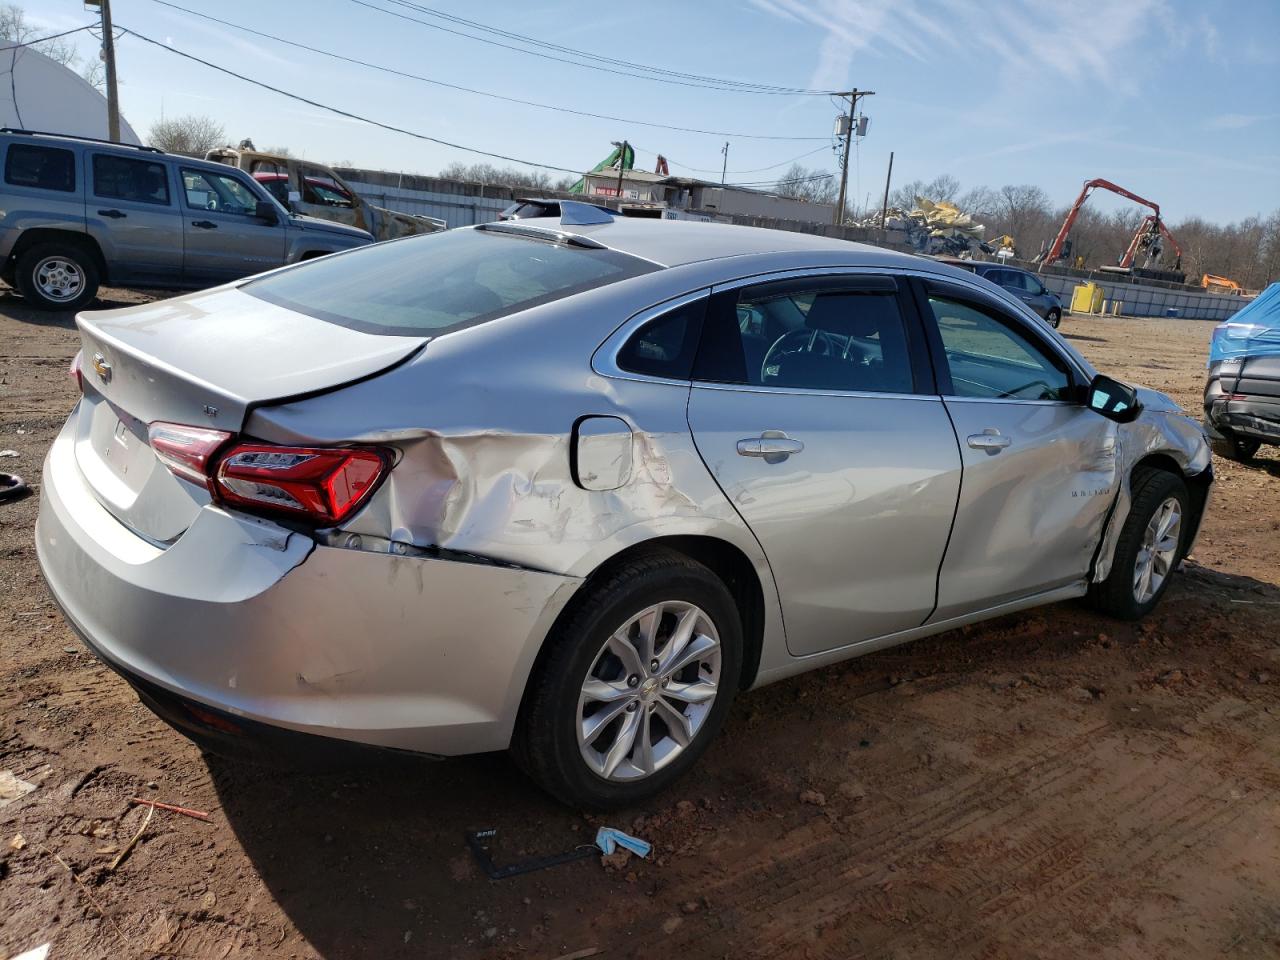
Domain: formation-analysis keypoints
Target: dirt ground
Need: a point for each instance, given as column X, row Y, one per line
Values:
column 1050, row 785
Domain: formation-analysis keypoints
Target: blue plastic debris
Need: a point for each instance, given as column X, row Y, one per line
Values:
column 609, row 839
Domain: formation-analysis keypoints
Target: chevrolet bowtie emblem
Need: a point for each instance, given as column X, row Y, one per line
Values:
column 102, row 368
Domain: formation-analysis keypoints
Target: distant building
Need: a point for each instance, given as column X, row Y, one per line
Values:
column 643, row 191
column 42, row 94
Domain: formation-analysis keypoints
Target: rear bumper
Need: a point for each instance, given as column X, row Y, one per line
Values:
column 1254, row 418
column 265, row 628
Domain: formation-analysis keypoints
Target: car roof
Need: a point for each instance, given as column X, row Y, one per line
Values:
column 671, row 243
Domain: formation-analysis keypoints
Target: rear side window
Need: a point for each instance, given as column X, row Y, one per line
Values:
column 665, row 347
column 826, row 339
column 442, row 281
column 123, row 178
column 44, row 168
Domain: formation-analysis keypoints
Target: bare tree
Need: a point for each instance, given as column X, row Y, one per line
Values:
column 803, row 183
column 506, row 176
column 191, row 135
column 15, row 28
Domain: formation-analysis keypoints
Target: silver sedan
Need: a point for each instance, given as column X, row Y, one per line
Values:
column 569, row 486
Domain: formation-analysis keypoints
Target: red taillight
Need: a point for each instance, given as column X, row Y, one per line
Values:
column 324, row 484
column 75, row 373
column 186, row 451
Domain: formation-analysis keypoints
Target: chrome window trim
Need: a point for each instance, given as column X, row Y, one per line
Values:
column 605, row 360
column 805, row 392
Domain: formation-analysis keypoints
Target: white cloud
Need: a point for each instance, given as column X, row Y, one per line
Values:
column 1024, row 41
column 1236, row 121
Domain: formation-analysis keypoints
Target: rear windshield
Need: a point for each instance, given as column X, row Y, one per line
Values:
column 439, row 282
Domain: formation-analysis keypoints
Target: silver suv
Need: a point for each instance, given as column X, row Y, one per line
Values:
column 76, row 213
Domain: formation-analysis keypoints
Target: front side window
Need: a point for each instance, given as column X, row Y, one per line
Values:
column 817, row 339
column 218, row 192
column 123, row 178
column 44, row 168
column 320, row 188
column 436, row 282
column 990, row 357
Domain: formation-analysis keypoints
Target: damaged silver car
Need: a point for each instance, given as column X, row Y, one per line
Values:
column 569, row 486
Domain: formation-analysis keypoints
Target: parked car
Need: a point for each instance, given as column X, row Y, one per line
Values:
column 78, row 213
column 1242, row 393
column 314, row 190
column 569, row 487
column 1023, row 284
column 526, row 208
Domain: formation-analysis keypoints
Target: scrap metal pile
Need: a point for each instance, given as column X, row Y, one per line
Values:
column 934, row 228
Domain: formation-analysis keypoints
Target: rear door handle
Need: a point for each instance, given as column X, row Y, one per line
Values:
column 204, row 224
column 773, row 446
column 113, row 214
column 990, row 440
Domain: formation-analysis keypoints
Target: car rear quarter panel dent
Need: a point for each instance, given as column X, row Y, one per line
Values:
column 1161, row 433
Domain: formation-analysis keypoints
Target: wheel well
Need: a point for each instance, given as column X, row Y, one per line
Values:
column 37, row 235
column 1197, row 483
column 723, row 559
column 312, row 254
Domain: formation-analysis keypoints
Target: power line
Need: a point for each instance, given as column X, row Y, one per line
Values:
column 728, row 86
column 394, row 129
column 52, row 36
column 345, row 113
column 737, row 173
column 472, row 90
column 612, row 61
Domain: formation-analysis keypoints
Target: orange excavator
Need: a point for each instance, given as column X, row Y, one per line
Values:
column 1147, row 238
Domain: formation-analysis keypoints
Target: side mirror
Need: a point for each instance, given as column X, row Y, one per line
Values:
column 266, row 210
column 1114, row 400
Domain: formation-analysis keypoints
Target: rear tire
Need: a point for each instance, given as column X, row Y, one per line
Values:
column 586, row 674
column 57, row 275
column 1234, row 448
column 1151, row 544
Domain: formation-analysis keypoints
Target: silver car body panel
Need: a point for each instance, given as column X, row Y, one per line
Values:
column 260, row 622
column 526, row 459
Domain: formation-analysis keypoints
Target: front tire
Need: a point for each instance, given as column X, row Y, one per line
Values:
column 1234, row 448
column 634, row 685
column 1054, row 318
column 1150, row 547
column 57, row 276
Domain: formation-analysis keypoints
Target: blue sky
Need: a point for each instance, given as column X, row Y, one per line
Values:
column 1175, row 100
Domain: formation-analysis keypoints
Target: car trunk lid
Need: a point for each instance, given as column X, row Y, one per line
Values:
column 203, row 360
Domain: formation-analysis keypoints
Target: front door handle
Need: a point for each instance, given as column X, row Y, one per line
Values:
column 204, row 224
column 773, row 446
column 990, row 440
column 113, row 214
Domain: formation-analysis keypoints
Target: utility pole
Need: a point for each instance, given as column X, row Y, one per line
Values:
column 724, row 169
column 109, row 58
column 622, row 165
column 884, row 210
column 853, row 97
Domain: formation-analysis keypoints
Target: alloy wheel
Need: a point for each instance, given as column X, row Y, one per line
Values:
column 649, row 691
column 59, row 279
column 1159, row 550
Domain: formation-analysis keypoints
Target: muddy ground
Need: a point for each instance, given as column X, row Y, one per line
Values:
column 1053, row 784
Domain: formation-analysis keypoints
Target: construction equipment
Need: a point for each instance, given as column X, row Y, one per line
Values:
column 617, row 160
column 1216, row 284
column 1147, row 238
column 1151, row 229
column 1004, row 247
